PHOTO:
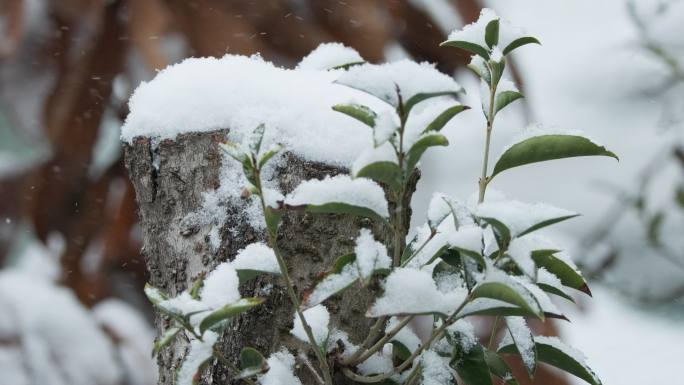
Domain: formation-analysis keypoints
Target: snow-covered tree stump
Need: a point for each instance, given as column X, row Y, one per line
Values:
column 170, row 178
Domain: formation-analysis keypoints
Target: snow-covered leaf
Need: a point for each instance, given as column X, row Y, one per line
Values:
column 340, row 195
column 371, row 255
column 553, row 352
column 329, row 56
column 515, row 219
column 228, row 311
column 547, row 147
column 342, row 275
column 524, row 342
column 508, row 292
column 198, row 357
column 359, row 112
column 318, row 319
column 254, row 259
column 562, row 268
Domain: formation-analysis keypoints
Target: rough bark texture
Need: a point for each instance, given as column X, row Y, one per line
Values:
column 170, row 178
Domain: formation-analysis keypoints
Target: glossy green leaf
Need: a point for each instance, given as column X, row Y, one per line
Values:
column 545, row 223
column 519, row 42
column 419, row 97
column 497, row 70
column 506, row 293
column 400, row 352
column 228, row 312
column 359, row 112
column 499, row 367
column 501, row 232
column 418, row 148
column 555, row 353
column 548, row 147
column 472, row 366
column 386, row 172
column 492, row 33
column 444, row 118
column 467, row 46
column 555, row 291
column 566, row 273
column 252, row 363
column 163, row 341
column 505, row 98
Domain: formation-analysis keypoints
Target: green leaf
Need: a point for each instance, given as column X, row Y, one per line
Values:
column 555, row 353
column 519, row 42
column 566, row 273
column 234, row 151
column 492, row 33
column 265, row 157
column 504, row 292
column 481, row 71
column 400, row 352
column 344, row 208
column 444, row 118
column 505, row 98
column 499, row 367
column 679, row 196
column 347, row 65
column 358, row 112
column 229, row 311
column 545, row 223
column 419, row 97
column 472, row 367
column 467, row 46
column 556, row 291
column 418, row 148
column 548, row 147
column 168, row 336
column 501, row 232
column 497, row 70
column 196, row 286
column 252, row 363
column 154, row 295
column 385, row 172
column 272, row 218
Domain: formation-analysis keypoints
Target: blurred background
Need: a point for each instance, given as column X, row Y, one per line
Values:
column 71, row 275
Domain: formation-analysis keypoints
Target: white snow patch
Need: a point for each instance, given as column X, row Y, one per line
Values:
column 412, row 78
column 412, row 291
column 318, row 319
column 523, row 338
column 371, row 255
column 280, row 372
column 360, row 192
column 436, row 370
column 200, row 351
column 256, row 256
column 328, row 56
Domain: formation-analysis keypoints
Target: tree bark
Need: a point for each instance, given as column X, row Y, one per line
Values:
column 169, row 179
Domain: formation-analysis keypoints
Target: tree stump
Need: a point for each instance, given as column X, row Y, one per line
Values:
column 170, row 178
